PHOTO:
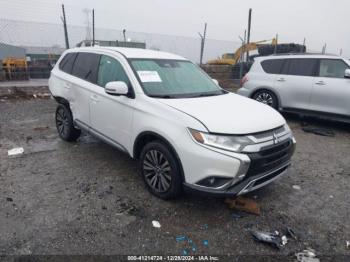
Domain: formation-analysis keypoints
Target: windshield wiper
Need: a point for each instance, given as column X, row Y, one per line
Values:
column 161, row 96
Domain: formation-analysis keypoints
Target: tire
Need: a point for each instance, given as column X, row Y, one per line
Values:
column 64, row 124
column 266, row 97
column 160, row 170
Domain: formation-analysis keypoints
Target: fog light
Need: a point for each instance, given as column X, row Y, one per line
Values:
column 213, row 181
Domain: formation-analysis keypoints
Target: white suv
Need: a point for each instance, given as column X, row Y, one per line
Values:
column 317, row 85
column 162, row 109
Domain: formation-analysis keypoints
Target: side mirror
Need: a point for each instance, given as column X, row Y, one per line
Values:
column 215, row 81
column 116, row 88
column 347, row 73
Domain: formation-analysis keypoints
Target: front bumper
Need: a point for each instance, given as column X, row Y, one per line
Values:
column 265, row 166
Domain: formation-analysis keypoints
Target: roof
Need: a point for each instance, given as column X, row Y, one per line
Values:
column 292, row 55
column 39, row 50
column 7, row 50
column 132, row 52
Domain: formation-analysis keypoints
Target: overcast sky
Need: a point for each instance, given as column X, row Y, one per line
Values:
column 319, row 21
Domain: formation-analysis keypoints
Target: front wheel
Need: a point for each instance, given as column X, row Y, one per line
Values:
column 266, row 97
column 160, row 170
column 64, row 124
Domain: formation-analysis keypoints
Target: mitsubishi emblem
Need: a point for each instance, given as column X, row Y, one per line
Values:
column 275, row 139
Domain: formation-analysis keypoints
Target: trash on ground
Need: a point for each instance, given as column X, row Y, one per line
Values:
column 185, row 252
column 15, row 151
column 205, row 226
column 238, row 214
column 243, row 204
column 181, row 238
column 296, row 187
column 284, row 240
column 307, row 255
column 273, row 239
column 156, row 224
column 318, row 131
column 205, row 242
column 347, row 244
column 291, row 233
column 41, row 128
column 9, row 199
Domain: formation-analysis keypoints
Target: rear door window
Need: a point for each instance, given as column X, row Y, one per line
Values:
column 110, row 70
column 332, row 68
column 272, row 66
column 300, row 67
column 67, row 62
column 86, row 66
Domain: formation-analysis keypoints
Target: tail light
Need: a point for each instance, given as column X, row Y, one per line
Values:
column 244, row 80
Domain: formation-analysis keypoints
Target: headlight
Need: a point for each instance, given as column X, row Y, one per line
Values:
column 230, row 143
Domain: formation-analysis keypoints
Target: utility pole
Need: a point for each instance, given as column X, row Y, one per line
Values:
column 124, row 31
column 324, row 48
column 242, row 54
column 93, row 27
column 65, row 27
column 87, row 22
column 275, row 52
column 202, row 43
column 341, row 52
column 249, row 26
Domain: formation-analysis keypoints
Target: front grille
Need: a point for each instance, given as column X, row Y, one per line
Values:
column 270, row 158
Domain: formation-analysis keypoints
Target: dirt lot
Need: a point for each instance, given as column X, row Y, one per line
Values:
column 88, row 198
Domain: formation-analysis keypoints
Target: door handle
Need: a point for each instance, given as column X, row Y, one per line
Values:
column 281, row 80
column 94, row 98
column 320, row 83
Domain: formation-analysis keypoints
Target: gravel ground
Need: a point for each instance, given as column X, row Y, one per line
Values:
column 88, row 198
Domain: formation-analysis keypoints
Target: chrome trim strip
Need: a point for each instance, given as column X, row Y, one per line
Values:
column 250, row 186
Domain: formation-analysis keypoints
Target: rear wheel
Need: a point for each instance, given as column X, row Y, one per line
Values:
column 64, row 124
column 160, row 170
column 266, row 97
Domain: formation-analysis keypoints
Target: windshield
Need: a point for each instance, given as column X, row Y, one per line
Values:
column 173, row 79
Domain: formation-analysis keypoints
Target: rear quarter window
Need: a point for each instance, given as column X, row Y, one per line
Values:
column 300, row 67
column 66, row 64
column 272, row 66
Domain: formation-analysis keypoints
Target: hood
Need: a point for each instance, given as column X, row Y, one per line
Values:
column 229, row 113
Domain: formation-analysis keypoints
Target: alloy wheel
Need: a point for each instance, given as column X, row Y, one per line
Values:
column 157, row 171
column 265, row 98
column 62, row 122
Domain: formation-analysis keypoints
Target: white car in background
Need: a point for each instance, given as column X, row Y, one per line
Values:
column 166, row 112
column 317, row 85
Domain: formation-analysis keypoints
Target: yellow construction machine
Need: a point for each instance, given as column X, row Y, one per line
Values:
column 15, row 68
column 232, row 59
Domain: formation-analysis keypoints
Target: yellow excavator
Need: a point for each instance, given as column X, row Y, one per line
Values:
column 232, row 59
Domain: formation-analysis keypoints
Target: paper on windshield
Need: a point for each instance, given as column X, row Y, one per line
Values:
column 149, row 76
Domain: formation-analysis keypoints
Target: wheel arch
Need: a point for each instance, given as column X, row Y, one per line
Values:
column 62, row 100
column 148, row 136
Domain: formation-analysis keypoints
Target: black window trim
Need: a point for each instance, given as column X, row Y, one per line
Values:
column 319, row 65
column 75, row 57
column 131, row 94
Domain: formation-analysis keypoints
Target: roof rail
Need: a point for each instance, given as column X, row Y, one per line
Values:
column 309, row 53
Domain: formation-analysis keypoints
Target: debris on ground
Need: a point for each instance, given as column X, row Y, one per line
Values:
column 296, row 187
column 205, row 226
column 243, row 204
column 205, row 242
column 156, row 224
column 185, row 252
column 15, row 151
column 291, row 233
column 238, row 214
column 307, row 255
column 41, row 128
column 318, row 131
column 9, row 199
column 273, row 239
column 181, row 238
column 347, row 244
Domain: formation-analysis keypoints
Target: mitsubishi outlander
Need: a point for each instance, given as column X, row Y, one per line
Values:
column 160, row 108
